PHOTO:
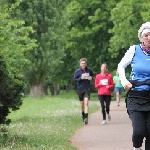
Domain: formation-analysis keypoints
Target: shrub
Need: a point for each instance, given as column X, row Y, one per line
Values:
column 11, row 87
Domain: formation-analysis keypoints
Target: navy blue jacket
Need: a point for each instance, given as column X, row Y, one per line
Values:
column 82, row 83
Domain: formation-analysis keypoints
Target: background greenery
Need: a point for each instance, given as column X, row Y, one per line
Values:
column 54, row 35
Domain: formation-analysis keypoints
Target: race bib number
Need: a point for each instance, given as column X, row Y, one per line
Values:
column 86, row 75
column 104, row 82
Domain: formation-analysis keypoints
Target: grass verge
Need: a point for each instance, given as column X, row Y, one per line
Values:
column 44, row 124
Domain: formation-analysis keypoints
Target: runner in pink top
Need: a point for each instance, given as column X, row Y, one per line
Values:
column 104, row 84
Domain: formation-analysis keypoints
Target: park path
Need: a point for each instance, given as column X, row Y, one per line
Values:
column 115, row 135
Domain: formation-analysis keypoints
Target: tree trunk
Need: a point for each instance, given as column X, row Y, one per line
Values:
column 37, row 90
column 51, row 89
column 56, row 89
column 45, row 88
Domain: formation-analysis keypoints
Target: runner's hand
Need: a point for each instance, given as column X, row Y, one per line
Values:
column 82, row 76
column 107, row 86
column 128, row 86
column 90, row 78
column 100, row 83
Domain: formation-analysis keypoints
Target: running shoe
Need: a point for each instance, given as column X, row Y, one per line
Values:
column 85, row 120
column 103, row 122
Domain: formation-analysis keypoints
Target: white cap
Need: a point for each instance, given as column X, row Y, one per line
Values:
column 145, row 31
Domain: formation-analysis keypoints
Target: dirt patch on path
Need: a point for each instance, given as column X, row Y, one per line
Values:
column 115, row 135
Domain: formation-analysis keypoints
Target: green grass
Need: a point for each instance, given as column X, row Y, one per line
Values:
column 94, row 96
column 72, row 94
column 44, row 124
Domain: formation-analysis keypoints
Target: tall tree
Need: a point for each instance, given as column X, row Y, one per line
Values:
column 49, row 25
column 88, row 35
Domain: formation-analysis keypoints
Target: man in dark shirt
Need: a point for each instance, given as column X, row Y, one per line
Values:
column 83, row 76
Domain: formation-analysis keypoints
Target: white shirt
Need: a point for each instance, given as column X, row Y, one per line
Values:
column 125, row 61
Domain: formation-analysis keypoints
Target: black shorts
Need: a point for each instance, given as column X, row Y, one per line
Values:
column 83, row 93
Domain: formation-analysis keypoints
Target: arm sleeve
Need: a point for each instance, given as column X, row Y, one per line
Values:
column 91, row 72
column 96, row 82
column 77, row 77
column 125, row 61
column 111, row 85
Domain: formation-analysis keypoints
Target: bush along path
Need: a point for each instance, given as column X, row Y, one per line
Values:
column 115, row 135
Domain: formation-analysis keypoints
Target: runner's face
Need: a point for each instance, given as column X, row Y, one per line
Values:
column 83, row 64
column 103, row 68
column 146, row 40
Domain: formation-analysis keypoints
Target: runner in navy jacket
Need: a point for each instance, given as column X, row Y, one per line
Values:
column 83, row 76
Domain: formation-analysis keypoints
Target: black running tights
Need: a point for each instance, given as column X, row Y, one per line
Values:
column 105, row 103
column 141, row 128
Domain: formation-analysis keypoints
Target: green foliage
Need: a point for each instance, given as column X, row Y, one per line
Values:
column 64, row 74
column 10, row 93
column 48, row 126
column 88, row 35
column 145, row 10
column 127, row 19
column 46, row 18
column 14, row 40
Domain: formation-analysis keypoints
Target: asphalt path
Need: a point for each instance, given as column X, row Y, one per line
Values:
column 115, row 135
